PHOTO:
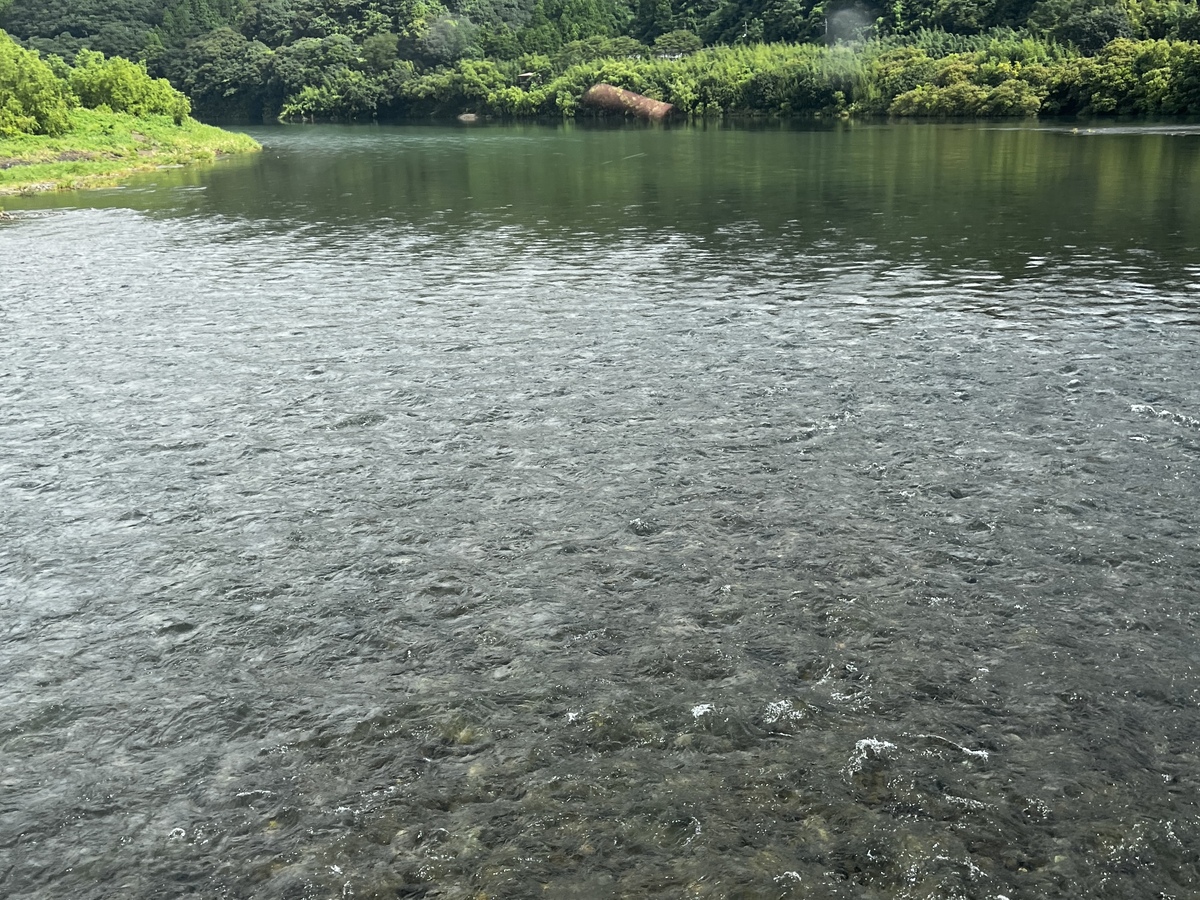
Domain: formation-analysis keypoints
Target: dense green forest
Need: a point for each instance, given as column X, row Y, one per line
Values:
column 358, row 59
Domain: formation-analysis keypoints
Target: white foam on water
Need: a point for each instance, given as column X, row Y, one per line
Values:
column 781, row 711
column 965, row 802
column 1146, row 409
column 966, row 751
column 866, row 749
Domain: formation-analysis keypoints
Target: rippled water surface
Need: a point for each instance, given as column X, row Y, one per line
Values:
column 522, row 512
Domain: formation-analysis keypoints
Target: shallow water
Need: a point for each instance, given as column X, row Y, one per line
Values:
column 527, row 511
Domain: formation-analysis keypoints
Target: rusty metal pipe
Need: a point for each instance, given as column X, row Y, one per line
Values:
column 605, row 96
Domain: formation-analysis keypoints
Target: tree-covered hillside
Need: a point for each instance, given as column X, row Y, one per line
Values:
column 351, row 59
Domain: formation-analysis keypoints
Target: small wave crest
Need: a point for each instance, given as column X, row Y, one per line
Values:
column 1175, row 418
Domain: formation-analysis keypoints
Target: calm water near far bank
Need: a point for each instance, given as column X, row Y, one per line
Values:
column 527, row 511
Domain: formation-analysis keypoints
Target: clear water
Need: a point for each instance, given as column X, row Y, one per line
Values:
column 526, row 512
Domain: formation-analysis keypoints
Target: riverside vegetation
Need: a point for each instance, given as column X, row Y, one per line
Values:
column 362, row 59
column 89, row 124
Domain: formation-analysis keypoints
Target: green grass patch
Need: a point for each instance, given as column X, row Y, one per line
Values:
column 103, row 147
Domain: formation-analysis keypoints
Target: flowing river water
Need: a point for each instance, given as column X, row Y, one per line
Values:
column 531, row 511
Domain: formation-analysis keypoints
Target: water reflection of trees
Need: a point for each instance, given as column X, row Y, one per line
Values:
column 911, row 191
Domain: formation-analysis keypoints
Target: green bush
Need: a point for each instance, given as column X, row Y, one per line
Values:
column 798, row 85
column 345, row 94
column 959, row 98
column 32, row 99
column 1132, row 78
column 892, row 73
column 124, row 86
column 679, row 42
column 1006, row 75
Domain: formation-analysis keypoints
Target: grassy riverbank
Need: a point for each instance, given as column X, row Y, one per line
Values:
column 101, row 147
column 93, row 123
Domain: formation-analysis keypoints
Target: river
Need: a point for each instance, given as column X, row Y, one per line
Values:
column 525, row 511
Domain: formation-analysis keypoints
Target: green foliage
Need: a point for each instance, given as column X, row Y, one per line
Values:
column 891, row 74
column 308, row 61
column 1132, row 77
column 267, row 21
column 226, row 75
column 1091, row 29
column 356, row 59
column 999, row 42
column 89, row 124
column 123, row 86
column 32, row 99
column 677, row 43
column 577, row 52
column 128, row 28
column 819, row 80
column 1163, row 19
column 1005, row 78
column 446, row 39
column 579, row 19
column 710, row 81
column 330, row 78
column 380, row 51
column 186, row 19
column 1012, row 97
column 346, row 94
column 101, row 146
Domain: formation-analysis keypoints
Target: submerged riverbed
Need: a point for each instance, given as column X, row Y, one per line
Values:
column 523, row 511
